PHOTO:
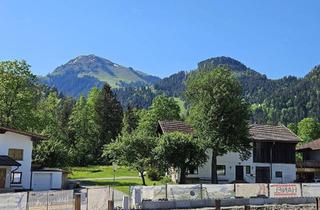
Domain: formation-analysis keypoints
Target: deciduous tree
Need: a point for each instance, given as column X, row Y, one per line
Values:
column 308, row 129
column 180, row 151
column 218, row 113
column 135, row 151
column 162, row 108
column 18, row 95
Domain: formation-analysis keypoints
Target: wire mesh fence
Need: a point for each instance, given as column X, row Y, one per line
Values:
column 90, row 199
column 51, row 200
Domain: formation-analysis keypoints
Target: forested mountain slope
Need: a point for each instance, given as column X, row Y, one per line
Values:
column 284, row 100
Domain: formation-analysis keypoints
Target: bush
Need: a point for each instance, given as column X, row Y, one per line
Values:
column 153, row 174
column 166, row 180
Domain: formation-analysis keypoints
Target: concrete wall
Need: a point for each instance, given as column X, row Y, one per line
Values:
column 17, row 141
column 231, row 160
column 187, row 204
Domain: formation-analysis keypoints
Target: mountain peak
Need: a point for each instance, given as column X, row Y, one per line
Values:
column 86, row 71
column 91, row 58
column 223, row 61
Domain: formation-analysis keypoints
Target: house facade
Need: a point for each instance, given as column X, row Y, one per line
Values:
column 272, row 157
column 308, row 168
column 16, row 158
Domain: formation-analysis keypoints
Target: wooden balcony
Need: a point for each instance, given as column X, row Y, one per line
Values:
column 308, row 164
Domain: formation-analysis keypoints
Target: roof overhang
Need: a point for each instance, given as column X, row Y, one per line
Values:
column 8, row 161
column 276, row 141
column 34, row 137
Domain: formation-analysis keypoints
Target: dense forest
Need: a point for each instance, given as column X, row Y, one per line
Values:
column 286, row 100
column 79, row 129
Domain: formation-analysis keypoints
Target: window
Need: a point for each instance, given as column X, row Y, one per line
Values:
column 16, row 177
column 248, row 170
column 16, row 154
column 267, row 152
column 278, row 174
column 193, row 171
column 221, row 170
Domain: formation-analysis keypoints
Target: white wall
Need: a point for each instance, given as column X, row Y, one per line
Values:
column 230, row 160
column 17, row 141
column 55, row 179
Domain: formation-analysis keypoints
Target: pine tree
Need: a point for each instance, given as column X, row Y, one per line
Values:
column 109, row 117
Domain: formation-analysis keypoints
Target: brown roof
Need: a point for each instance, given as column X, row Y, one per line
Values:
column 172, row 126
column 33, row 136
column 272, row 133
column 313, row 145
column 257, row 132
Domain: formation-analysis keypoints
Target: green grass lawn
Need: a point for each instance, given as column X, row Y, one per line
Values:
column 99, row 172
column 92, row 172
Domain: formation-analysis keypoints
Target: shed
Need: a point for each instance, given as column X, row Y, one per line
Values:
column 49, row 179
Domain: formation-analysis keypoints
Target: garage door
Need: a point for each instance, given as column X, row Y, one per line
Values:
column 41, row 181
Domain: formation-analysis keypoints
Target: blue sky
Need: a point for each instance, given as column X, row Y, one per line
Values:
column 161, row 37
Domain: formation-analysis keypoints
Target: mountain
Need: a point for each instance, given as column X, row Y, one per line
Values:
column 285, row 100
column 82, row 73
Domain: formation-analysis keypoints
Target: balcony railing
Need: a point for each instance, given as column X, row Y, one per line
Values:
column 308, row 164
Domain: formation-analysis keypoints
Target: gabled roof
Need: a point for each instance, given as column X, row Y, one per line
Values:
column 313, row 145
column 34, row 137
column 277, row 133
column 8, row 161
column 172, row 126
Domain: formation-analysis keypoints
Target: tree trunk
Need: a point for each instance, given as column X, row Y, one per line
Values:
column 214, row 175
column 182, row 176
column 142, row 177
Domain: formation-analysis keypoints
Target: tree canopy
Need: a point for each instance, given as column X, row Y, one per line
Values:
column 180, row 151
column 218, row 113
column 162, row 108
column 134, row 151
column 308, row 129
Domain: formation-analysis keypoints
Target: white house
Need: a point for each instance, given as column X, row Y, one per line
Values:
column 272, row 159
column 16, row 158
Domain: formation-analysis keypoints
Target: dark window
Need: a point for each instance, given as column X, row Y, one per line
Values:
column 267, row 152
column 221, row 170
column 279, row 174
column 193, row 171
column 248, row 169
column 16, row 177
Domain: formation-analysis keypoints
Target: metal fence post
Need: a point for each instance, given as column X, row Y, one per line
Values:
column 318, row 203
column 246, row 207
column 166, row 189
column 27, row 204
column 201, row 195
column 77, row 202
column 110, row 205
column 218, row 204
